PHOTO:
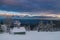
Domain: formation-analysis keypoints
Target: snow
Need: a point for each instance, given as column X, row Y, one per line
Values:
column 32, row 35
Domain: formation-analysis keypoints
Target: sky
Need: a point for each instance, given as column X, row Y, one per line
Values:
column 52, row 6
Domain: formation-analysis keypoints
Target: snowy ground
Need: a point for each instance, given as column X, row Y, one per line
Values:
column 32, row 35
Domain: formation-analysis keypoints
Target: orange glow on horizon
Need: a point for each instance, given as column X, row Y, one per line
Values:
column 6, row 13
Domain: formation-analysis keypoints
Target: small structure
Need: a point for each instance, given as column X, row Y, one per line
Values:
column 18, row 29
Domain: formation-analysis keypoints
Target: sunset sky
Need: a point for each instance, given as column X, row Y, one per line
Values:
column 52, row 6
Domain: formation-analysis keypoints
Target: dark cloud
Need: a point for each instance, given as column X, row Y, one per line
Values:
column 30, row 5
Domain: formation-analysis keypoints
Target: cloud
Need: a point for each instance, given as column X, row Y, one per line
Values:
column 30, row 5
column 31, row 14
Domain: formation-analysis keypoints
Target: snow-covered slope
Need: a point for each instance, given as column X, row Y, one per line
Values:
column 32, row 35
